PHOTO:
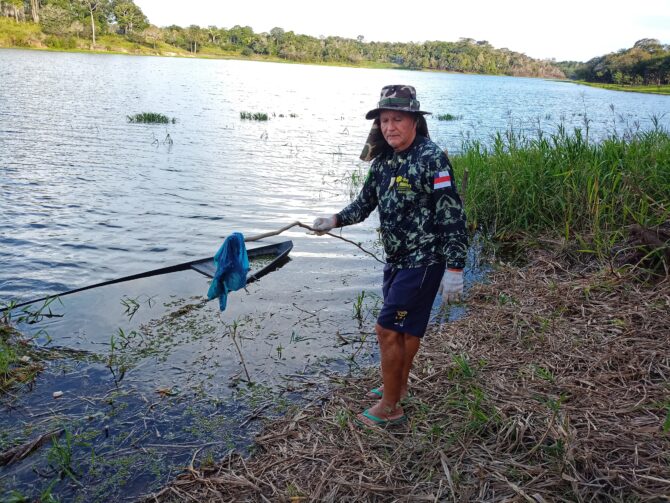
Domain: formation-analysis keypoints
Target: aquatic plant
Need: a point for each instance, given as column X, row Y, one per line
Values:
column 256, row 116
column 150, row 118
column 60, row 456
column 448, row 117
column 358, row 306
column 19, row 361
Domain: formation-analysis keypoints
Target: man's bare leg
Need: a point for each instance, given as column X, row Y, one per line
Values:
column 412, row 344
column 392, row 348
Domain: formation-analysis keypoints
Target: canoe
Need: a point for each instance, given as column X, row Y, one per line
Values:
column 271, row 257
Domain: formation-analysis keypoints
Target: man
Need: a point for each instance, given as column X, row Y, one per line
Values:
column 422, row 227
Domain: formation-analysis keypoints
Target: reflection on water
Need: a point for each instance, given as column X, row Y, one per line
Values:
column 86, row 197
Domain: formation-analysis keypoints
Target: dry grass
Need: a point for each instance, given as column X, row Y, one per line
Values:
column 553, row 388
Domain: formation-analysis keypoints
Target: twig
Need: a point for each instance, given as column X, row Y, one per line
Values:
column 445, row 467
column 305, row 226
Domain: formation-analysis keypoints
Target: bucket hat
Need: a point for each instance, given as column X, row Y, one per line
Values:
column 397, row 97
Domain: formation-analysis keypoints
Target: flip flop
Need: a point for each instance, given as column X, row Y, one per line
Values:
column 378, row 421
column 376, row 392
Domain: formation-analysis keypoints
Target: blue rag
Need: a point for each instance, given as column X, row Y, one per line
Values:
column 232, row 266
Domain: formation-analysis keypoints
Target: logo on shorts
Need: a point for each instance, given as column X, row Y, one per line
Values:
column 400, row 317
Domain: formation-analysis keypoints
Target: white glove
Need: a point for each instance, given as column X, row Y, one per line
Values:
column 322, row 225
column 451, row 287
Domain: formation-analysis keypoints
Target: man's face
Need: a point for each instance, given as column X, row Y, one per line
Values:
column 398, row 128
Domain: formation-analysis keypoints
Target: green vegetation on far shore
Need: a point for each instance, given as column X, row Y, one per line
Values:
column 67, row 26
column 651, row 89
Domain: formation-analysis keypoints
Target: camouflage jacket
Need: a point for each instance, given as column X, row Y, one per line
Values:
column 421, row 216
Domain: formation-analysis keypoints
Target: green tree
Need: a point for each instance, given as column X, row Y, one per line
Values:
column 152, row 34
column 55, row 20
column 129, row 16
column 35, row 10
column 194, row 37
column 76, row 27
column 92, row 7
column 16, row 8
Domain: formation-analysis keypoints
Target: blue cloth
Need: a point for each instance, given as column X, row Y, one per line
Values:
column 232, row 266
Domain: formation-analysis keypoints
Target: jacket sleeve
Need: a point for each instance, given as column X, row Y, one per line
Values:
column 365, row 202
column 449, row 215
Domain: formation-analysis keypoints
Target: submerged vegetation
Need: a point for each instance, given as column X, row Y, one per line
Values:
column 150, row 118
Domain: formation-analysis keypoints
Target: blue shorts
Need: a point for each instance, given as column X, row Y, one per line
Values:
column 408, row 298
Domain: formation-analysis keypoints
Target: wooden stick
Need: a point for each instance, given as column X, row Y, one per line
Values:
column 271, row 233
column 304, row 226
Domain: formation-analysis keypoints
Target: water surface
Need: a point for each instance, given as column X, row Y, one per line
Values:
column 87, row 197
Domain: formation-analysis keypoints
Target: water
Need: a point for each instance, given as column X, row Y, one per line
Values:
column 88, row 197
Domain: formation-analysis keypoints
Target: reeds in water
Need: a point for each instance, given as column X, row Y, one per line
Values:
column 448, row 117
column 256, row 116
column 150, row 118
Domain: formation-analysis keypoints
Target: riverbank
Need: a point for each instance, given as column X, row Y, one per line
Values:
column 29, row 36
column 632, row 89
column 552, row 388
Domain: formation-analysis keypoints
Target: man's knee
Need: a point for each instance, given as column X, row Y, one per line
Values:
column 388, row 337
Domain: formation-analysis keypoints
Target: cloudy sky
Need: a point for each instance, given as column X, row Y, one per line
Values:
column 564, row 30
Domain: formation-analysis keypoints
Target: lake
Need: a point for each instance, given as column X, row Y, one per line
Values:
column 88, row 196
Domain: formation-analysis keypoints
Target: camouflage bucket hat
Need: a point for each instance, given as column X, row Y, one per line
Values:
column 397, row 97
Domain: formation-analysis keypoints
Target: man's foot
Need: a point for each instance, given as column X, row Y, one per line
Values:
column 379, row 415
column 375, row 393
column 378, row 393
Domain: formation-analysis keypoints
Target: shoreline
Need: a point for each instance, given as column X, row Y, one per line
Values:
column 527, row 396
column 659, row 90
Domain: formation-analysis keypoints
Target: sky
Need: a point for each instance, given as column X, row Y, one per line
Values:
column 575, row 30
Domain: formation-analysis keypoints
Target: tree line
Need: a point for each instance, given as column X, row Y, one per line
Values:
column 90, row 18
column 646, row 63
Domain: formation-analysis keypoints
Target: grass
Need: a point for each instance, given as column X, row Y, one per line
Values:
column 595, row 403
column 593, row 197
column 150, row 118
column 662, row 89
column 20, row 35
column 18, row 361
column 256, row 116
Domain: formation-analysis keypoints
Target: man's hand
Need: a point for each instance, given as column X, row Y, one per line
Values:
column 322, row 225
column 451, row 287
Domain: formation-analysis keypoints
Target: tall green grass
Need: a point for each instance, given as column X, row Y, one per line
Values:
column 569, row 188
